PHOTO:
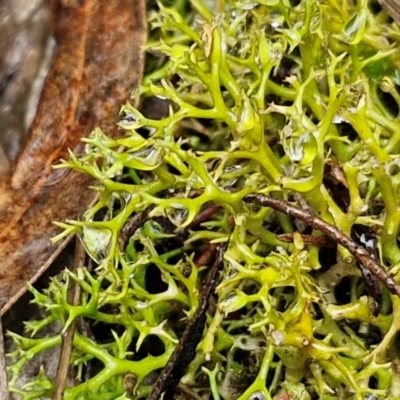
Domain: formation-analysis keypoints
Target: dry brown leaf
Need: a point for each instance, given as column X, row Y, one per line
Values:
column 97, row 63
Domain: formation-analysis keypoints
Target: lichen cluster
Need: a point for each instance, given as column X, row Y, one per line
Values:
column 299, row 101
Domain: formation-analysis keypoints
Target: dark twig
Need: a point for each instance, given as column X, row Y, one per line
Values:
column 206, row 255
column 185, row 351
column 309, row 240
column 205, row 215
column 362, row 255
column 4, row 393
column 83, row 327
column 66, row 347
column 133, row 224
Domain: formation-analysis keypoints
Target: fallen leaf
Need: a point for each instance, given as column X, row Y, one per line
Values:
column 98, row 62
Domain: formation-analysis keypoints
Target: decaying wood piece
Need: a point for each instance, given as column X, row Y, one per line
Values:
column 98, row 62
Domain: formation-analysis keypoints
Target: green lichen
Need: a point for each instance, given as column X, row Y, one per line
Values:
column 262, row 96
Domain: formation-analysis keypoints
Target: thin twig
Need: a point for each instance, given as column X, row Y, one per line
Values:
column 4, row 393
column 205, row 215
column 309, row 240
column 83, row 327
column 362, row 255
column 186, row 348
column 66, row 347
column 133, row 224
column 206, row 255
